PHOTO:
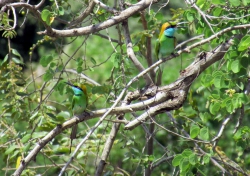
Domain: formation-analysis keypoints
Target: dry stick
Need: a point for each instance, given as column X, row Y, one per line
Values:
column 239, row 121
column 131, row 53
column 109, row 143
column 135, row 8
column 224, row 123
column 83, row 15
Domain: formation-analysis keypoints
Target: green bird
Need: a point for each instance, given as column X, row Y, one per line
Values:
column 166, row 42
column 79, row 104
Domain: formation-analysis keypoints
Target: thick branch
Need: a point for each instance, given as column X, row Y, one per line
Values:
column 94, row 28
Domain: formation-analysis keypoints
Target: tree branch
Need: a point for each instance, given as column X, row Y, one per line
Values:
column 94, row 28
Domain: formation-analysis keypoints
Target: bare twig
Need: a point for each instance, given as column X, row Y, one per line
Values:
column 131, row 53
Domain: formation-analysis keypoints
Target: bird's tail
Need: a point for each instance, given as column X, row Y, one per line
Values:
column 73, row 135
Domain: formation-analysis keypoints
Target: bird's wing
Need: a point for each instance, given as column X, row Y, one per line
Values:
column 73, row 103
column 157, row 48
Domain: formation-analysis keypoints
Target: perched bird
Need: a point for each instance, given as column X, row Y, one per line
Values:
column 166, row 42
column 79, row 104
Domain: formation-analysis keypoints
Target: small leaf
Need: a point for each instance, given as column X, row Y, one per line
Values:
column 79, row 69
column 26, row 138
column 206, row 159
column 184, row 164
column 11, row 149
column 194, row 131
column 214, row 108
column 217, row 11
column 235, row 66
column 27, row 147
column 177, row 159
column 45, row 60
column 204, row 133
column 136, row 48
column 47, row 76
column 187, row 153
column 193, row 159
column 46, row 16
column 93, row 60
column 61, row 10
column 235, row 2
column 244, row 43
column 21, row 94
column 34, row 115
column 91, row 69
column 80, row 155
column 39, row 134
column 18, row 161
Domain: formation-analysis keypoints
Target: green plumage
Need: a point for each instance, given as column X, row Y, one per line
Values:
column 164, row 46
column 79, row 105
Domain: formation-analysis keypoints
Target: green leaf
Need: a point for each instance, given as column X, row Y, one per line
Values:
column 91, row 69
column 245, row 2
column 39, row 134
column 21, row 94
column 190, row 16
column 80, row 155
column 235, row 2
column 46, row 15
column 27, row 147
column 193, row 159
column 93, row 60
column 217, row 11
column 235, row 66
column 206, row 159
column 218, row 81
column 48, row 76
column 184, row 164
column 34, row 115
column 26, row 138
column 16, row 60
column 61, row 10
column 63, row 114
column 214, row 108
column 136, row 48
column 11, row 149
column 177, row 159
column 244, row 43
column 79, row 69
column 186, row 153
column 229, row 106
column 204, row 133
column 45, row 60
column 219, row 2
column 207, row 80
column 205, row 116
column 194, row 131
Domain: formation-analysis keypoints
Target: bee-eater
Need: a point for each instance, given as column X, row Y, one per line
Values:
column 166, row 42
column 79, row 104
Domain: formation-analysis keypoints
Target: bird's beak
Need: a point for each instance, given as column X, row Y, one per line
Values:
column 69, row 84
